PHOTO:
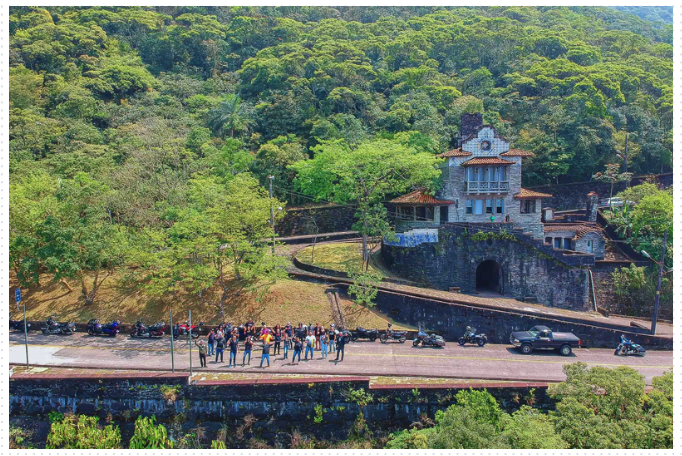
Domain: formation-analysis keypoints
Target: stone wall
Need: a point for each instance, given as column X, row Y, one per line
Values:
column 574, row 195
column 528, row 268
column 279, row 407
column 329, row 219
column 451, row 319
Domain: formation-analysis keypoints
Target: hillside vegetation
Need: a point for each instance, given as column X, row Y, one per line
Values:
column 146, row 136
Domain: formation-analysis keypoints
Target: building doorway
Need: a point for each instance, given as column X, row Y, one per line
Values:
column 489, row 277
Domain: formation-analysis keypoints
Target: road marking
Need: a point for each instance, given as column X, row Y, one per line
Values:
column 536, row 361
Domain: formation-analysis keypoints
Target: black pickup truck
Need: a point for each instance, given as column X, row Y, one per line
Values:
column 542, row 338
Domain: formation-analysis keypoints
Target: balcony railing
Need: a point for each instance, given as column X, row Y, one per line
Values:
column 487, row 187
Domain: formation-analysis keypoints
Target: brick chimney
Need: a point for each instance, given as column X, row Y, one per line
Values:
column 469, row 124
column 592, row 206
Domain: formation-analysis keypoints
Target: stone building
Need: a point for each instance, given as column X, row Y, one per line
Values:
column 483, row 232
column 482, row 182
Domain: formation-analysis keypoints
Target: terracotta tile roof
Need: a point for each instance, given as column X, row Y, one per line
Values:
column 487, row 161
column 517, row 153
column 421, row 198
column 579, row 230
column 455, row 153
column 531, row 194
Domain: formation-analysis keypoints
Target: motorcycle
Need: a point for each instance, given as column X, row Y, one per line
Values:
column 471, row 337
column 627, row 347
column 361, row 333
column 196, row 329
column 52, row 327
column 391, row 334
column 95, row 328
column 17, row 325
column 140, row 330
column 428, row 340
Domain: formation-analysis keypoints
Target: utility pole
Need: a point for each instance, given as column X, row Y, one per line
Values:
column 190, row 344
column 658, row 288
column 272, row 215
column 172, row 348
column 26, row 335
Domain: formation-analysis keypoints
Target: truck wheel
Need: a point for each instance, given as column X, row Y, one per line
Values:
column 566, row 350
column 526, row 349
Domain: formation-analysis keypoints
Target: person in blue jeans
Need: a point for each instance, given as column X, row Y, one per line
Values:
column 248, row 345
column 323, row 343
column 285, row 344
column 298, row 346
column 234, row 348
column 309, row 345
column 211, row 343
column 266, row 353
column 219, row 346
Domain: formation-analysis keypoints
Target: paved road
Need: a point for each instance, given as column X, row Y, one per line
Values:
column 492, row 362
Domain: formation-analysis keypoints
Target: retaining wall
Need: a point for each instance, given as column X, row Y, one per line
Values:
column 279, row 406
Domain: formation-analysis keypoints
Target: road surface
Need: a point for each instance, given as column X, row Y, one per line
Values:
column 492, row 362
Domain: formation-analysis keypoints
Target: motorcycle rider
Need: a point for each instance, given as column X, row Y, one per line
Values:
column 138, row 327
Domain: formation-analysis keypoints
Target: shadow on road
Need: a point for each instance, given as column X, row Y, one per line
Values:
column 540, row 353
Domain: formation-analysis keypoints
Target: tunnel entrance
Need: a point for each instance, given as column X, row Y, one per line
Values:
column 489, row 277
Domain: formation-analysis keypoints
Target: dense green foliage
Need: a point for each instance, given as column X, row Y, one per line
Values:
column 128, row 125
column 597, row 408
column 642, row 226
column 82, row 432
column 149, row 435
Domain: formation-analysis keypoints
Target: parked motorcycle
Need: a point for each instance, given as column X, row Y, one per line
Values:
column 140, row 330
column 17, row 325
column 470, row 337
column 95, row 328
column 361, row 333
column 52, row 327
column 391, row 334
column 627, row 347
column 428, row 340
column 196, row 329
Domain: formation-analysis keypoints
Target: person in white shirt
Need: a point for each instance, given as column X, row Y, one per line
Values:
column 309, row 345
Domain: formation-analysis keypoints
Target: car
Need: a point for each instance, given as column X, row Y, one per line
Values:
column 542, row 338
column 615, row 202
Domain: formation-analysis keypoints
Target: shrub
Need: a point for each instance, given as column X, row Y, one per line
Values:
column 149, row 435
column 82, row 433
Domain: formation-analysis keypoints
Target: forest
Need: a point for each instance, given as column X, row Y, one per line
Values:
column 147, row 136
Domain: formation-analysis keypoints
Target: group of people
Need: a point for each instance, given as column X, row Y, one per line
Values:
column 282, row 340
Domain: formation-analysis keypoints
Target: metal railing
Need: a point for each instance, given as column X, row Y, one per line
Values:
column 487, row 187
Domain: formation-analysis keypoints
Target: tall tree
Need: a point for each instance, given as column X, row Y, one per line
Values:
column 232, row 115
column 364, row 175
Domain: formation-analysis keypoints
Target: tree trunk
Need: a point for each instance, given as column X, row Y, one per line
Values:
column 66, row 284
column 364, row 244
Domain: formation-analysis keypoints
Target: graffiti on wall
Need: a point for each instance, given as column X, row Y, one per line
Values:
column 413, row 238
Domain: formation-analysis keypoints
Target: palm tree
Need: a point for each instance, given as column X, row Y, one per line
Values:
column 232, row 114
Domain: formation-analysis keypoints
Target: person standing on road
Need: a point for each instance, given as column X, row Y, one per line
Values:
column 332, row 338
column 278, row 340
column 202, row 353
column 323, row 343
column 289, row 330
column 234, row 347
column 219, row 347
column 248, row 345
column 211, row 343
column 316, row 333
column 298, row 346
column 285, row 343
column 266, row 353
column 309, row 345
column 340, row 345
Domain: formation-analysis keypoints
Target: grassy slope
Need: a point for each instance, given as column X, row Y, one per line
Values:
column 288, row 300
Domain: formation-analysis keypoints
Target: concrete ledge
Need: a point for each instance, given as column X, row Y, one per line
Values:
column 456, row 385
